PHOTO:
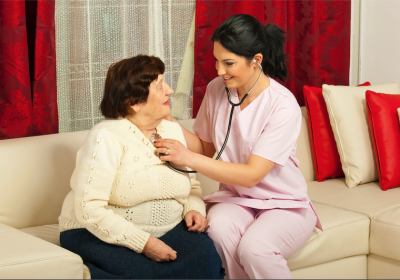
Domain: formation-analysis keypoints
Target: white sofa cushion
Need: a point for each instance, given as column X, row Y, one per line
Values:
column 49, row 233
column 345, row 234
column 385, row 233
column 347, row 268
column 382, row 268
column 367, row 199
column 347, row 114
column 25, row 256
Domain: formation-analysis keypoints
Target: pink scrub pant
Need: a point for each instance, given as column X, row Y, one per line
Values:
column 254, row 243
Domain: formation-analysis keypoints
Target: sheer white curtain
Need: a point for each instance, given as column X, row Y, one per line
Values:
column 92, row 34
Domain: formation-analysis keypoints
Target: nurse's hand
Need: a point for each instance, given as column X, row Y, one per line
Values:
column 174, row 151
column 195, row 221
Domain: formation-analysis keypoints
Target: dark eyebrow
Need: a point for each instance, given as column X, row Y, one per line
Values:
column 224, row 59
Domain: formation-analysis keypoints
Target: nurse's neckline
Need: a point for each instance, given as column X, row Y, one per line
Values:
column 250, row 98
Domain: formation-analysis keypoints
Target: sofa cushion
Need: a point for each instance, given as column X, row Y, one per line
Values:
column 25, row 256
column 385, row 233
column 348, row 118
column 382, row 268
column 345, row 234
column 324, row 150
column 347, row 268
column 325, row 154
column 367, row 199
column 49, row 233
column 384, row 126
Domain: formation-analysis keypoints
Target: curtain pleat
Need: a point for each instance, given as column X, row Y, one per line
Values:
column 28, row 104
column 317, row 40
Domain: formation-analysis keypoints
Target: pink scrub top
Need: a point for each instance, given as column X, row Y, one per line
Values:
column 268, row 127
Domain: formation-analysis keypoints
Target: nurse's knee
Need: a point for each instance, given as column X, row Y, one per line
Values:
column 219, row 228
column 250, row 249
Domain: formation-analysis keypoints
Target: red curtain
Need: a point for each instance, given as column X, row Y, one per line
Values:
column 28, row 93
column 317, row 40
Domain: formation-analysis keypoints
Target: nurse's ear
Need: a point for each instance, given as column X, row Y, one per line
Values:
column 258, row 59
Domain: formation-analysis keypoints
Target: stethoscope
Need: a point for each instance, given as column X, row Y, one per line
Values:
column 156, row 136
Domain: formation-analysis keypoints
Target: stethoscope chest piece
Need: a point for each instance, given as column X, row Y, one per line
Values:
column 154, row 137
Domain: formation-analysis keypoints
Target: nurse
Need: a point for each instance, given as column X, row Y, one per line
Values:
column 261, row 214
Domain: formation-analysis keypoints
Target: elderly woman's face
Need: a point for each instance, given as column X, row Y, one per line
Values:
column 157, row 104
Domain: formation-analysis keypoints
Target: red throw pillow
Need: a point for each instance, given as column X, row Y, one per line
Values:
column 385, row 132
column 325, row 154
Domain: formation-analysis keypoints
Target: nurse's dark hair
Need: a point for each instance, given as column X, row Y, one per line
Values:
column 127, row 83
column 245, row 36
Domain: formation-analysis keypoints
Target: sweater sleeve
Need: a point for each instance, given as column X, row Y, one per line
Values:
column 194, row 201
column 96, row 167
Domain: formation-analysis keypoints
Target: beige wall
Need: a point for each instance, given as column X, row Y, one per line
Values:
column 379, row 52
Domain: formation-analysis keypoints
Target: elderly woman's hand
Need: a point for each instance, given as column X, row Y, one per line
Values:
column 158, row 251
column 173, row 151
column 195, row 221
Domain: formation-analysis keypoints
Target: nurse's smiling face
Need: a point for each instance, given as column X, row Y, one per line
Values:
column 236, row 70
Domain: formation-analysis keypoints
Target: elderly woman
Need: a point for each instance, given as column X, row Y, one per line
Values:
column 128, row 214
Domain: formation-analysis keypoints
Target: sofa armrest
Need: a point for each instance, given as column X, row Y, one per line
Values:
column 25, row 256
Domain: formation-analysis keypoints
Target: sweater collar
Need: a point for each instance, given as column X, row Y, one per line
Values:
column 138, row 133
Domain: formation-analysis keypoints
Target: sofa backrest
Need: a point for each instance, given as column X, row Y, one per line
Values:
column 35, row 174
column 303, row 152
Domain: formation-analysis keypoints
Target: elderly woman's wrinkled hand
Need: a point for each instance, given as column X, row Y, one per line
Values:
column 173, row 151
column 158, row 251
column 195, row 221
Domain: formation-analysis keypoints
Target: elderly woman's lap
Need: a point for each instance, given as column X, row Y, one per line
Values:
column 196, row 256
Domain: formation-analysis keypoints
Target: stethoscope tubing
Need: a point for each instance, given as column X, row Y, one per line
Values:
column 228, row 93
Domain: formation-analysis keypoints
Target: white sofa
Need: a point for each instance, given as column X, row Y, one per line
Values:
column 361, row 225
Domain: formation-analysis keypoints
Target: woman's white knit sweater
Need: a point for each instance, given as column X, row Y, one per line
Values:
column 122, row 192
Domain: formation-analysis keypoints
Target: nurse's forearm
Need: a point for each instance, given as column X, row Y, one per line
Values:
column 192, row 141
column 246, row 175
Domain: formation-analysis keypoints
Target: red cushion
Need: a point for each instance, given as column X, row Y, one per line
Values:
column 385, row 132
column 325, row 154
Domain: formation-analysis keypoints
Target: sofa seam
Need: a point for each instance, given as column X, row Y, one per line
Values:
column 386, row 223
column 385, row 210
column 352, row 256
column 327, row 204
column 10, row 230
column 38, row 260
column 338, row 226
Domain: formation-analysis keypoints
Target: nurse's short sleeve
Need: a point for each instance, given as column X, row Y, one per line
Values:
column 279, row 136
column 203, row 124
